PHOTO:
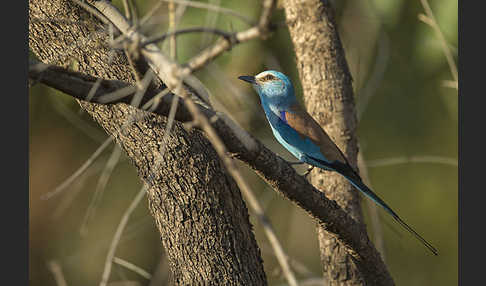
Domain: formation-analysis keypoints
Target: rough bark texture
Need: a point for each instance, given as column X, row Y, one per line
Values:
column 328, row 95
column 196, row 205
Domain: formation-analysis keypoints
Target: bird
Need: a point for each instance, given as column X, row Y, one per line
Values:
column 303, row 137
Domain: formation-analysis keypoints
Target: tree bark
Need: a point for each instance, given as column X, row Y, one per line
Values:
column 328, row 96
column 197, row 207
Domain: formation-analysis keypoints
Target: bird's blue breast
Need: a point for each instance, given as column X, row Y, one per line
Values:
column 302, row 148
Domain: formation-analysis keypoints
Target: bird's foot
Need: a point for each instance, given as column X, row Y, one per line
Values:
column 308, row 171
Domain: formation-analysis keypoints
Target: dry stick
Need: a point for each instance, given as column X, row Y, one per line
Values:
column 377, row 75
column 298, row 266
column 128, row 54
column 117, row 236
column 313, row 281
column 77, row 121
column 431, row 21
column 56, row 270
column 210, row 21
column 78, row 172
column 132, row 267
column 217, row 9
column 100, row 187
column 205, row 30
column 76, row 189
column 175, row 100
column 90, row 9
column 150, row 13
column 172, row 27
column 412, row 159
column 142, row 88
column 450, row 83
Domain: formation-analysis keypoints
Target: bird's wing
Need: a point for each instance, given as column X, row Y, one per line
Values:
column 307, row 127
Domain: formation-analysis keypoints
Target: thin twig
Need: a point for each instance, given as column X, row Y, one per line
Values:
column 142, row 88
column 450, row 83
column 164, row 36
column 175, row 100
column 132, row 267
column 116, row 238
column 126, row 7
column 412, row 159
column 377, row 75
column 214, row 8
column 78, row 172
column 172, row 27
column 100, row 188
column 78, row 122
column 56, row 271
column 210, row 21
column 90, row 9
column 75, row 190
column 431, row 21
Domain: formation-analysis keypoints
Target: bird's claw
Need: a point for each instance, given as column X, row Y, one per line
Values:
column 308, row 171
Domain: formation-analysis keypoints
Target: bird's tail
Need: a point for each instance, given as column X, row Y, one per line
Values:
column 355, row 180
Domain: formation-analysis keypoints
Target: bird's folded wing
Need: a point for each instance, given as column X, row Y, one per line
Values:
column 307, row 127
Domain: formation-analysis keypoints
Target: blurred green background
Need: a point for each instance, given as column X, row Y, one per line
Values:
column 408, row 135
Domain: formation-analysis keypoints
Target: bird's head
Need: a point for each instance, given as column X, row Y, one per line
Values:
column 273, row 87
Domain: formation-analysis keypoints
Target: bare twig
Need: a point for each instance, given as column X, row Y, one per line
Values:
column 430, row 20
column 412, row 159
column 78, row 122
column 214, row 8
column 142, row 88
column 164, row 36
column 450, row 83
column 76, row 189
column 78, row 172
column 93, row 11
column 379, row 69
column 56, row 270
column 210, row 21
column 132, row 267
column 117, row 236
column 100, row 187
column 172, row 27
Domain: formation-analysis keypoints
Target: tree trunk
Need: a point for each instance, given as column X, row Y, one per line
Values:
column 328, row 95
column 197, row 207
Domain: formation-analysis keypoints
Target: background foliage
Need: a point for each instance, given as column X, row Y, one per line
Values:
column 404, row 108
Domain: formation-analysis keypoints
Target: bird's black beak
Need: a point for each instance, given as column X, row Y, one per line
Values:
column 247, row 78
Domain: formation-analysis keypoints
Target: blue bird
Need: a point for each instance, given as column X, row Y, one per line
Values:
column 302, row 136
